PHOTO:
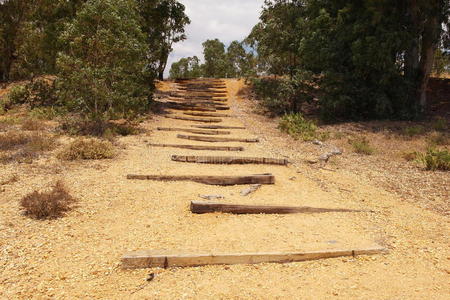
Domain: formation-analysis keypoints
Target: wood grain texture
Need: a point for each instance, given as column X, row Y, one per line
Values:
column 217, row 127
column 211, row 180
column 196, row 131
column 201, row 114
column 202, row 207
column 196, row 147
column 204, row 120
column 215, row 139
column 229, row 160
column 152, row 259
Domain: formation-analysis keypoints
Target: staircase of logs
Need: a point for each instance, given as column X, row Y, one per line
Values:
column 206, row 101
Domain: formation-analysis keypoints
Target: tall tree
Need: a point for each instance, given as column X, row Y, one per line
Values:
column 102, row 72
column 13, row 13
column 215, row 59
column 164, row 22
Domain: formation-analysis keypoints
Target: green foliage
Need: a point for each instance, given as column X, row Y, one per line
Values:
column 103, row 73
column 281, row 95
column 361, row 145
column 163, row 22
column 412, row 131
column 368, row 59
column 297, row 126
column 215, row 59
column 186, row 68
column 440, row 124
column 18, row 94
column 435, row 159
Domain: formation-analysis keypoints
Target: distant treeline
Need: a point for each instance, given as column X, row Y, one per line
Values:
column 233, row 62
column 355, row 59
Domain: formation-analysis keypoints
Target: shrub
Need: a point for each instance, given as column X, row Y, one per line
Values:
column 281, row 95
column 33, row 125
column 42, row 92
column 439, row 139
column 362, row 145
column 12, row 139
column 18, row 95
column 413, row 130
column 297, row 126
column 83, row 148
column 26, row 146
column 435, row 159
column 440, row 124
column 48, row 205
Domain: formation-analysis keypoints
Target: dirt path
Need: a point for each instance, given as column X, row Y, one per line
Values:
column 78, row 256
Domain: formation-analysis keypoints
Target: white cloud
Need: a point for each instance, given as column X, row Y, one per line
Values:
column 227, row 20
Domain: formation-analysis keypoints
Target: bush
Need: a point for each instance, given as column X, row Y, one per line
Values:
column 413, row 130
column 42, row 92
column 281, row 95
column 439, row 139
column 83, row 148
column 297, row 126
column 18, row 95
column 103, row 74
column 362, row 145
column 23, row 148
column 435, row 159
column 48, row 205
column 440, row 124
column 33, row 125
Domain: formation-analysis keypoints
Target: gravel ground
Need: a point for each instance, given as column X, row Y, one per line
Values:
column 78, row 256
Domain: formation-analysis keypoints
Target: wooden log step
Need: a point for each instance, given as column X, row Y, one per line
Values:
column 152, row 259
column 192, row 108
column 195, row 147
column 229, row 160
column 201, row 114
column 215, row 139
column 197, row 131
column 204, row 120
column 217, row 127
column 211, row 180
column 203, row 207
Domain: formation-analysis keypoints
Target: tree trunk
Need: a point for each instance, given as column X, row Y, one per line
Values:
column 430, row 39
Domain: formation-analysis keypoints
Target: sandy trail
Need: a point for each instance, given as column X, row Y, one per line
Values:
column 78, row 256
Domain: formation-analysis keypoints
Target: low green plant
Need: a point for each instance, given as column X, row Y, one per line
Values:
column 361, row 145
column 297, row 126
column 435, row 159
column 47, row 113
column 412, row 131
column 440, row 124
column 87, row 148
column 18, row 95
column 438, row 139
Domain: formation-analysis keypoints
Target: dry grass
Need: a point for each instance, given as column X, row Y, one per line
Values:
column 23, row 148
column 361, row 145
column 33, row 125
column 48, row 205
column 84, row 148
column 12, row 179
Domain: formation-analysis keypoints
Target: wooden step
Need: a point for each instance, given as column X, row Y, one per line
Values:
column 202, row 207
column 153, row 259
column 204, row 120
column 197, row 131
column 217, row 127
column 229, row 160
column 202, row 114
column 211, row 180
column 215, row 139
column 195, row 147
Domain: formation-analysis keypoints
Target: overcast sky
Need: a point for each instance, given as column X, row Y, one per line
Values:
column 227, row 20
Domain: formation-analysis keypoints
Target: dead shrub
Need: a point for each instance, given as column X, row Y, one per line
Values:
column 48, row 205
column 33, row 125
column 24, row 148
column 12, row 139
column 84, row 148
